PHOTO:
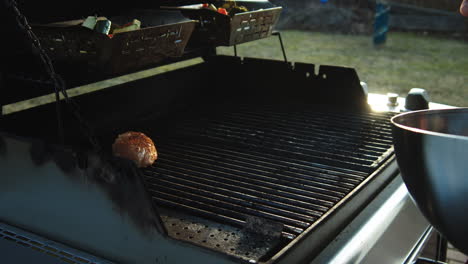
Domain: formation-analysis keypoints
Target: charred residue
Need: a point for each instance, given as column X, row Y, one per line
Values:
column 64, row 158
column 119, row 178
column 40, row 152
column 123, row 183
column 263, row 227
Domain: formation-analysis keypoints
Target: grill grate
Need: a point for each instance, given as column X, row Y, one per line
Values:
column 286, row 165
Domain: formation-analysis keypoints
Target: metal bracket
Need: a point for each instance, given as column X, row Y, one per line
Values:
column 277, row 33
column 442, row 244
column 283, row 50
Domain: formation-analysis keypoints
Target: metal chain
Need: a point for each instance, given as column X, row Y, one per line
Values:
column 56, row 80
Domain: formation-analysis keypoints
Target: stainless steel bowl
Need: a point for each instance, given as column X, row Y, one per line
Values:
column 432, row 152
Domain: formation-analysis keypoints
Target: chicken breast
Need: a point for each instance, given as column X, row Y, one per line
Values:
column 137, row 147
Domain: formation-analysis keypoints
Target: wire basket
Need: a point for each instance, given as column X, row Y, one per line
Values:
column 222, row 30
column 75, row 47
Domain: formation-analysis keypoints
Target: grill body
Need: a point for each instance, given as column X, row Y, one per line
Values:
column 260, row 161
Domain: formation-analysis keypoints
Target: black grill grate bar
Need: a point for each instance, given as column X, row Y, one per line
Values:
column 229, row 202
column 316, row 121
column 306, row 136
column 226, row 166
column 373, row 125
column 251, row 179
column 341, row 174
column 297, row 152
column 370, row 119
column 225, row 209
column 322, row 127
column 157, row 178
column 305, row 132
column 239, row 186
column 272, row 169
column 281, row 138
column 168, row 202
column 365, row 121
column 381, row 118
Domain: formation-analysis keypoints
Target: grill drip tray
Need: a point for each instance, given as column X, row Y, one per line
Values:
column 237, row 242
column 284, row 167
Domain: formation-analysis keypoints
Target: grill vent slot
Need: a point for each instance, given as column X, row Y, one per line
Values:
column 36, row 243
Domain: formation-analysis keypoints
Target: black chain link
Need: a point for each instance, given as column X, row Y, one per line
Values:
column 56, row 81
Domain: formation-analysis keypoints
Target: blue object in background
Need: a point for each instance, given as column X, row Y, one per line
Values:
column 382, row 13
column 323, row 1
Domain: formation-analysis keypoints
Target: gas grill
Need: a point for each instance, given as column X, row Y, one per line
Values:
column 260, row 161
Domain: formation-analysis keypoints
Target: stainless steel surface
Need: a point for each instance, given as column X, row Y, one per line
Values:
column 423, row 244
column 67, row 206
column 432, row 153
column 20, row 246
column 392, row 99
column 378, row 102
column 365, row 88
column 386, row 231
column 417, row 99
column 12, row 253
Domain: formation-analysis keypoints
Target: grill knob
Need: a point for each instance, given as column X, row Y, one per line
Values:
column 417, row 99
column 392, row 99
column 365, row 88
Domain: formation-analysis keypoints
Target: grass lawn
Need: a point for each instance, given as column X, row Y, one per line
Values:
column 406, row 61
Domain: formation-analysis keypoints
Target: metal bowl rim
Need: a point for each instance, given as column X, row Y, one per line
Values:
column 428, row 132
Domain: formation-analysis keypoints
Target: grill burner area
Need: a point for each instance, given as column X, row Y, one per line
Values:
column 283, row 165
